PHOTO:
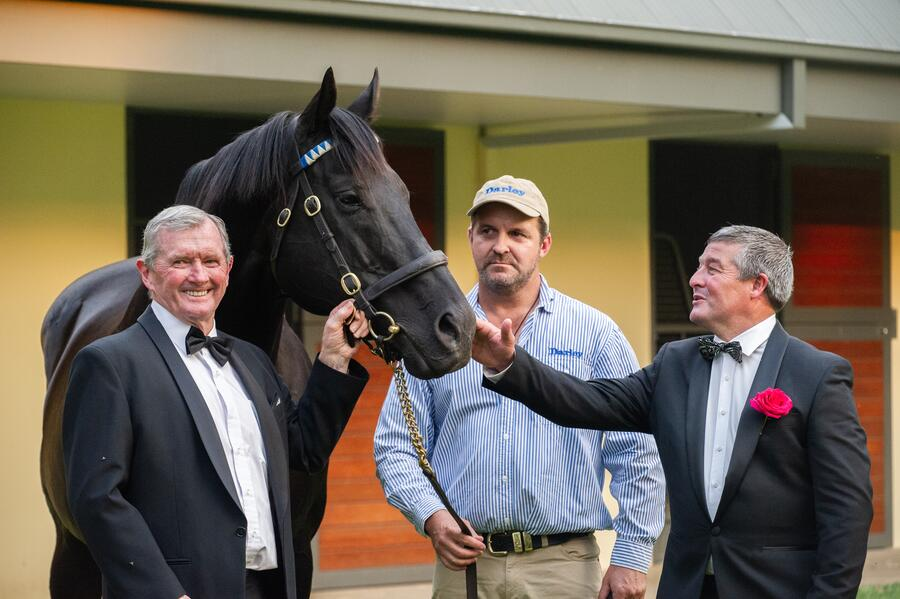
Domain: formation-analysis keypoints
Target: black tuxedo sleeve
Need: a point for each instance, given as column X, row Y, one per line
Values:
column 839, row 464
column 319, row 418
column 97, row 449
column 605, row 404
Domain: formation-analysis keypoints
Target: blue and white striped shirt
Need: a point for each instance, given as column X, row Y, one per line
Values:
column 506, row 468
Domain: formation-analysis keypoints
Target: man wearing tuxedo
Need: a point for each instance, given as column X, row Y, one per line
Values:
column 177, row 437
column 763, row 503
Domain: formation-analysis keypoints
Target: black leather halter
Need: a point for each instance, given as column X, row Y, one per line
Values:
column 382, row 326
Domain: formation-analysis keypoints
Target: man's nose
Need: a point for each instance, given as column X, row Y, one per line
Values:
column 198, row 272
column 500, row 245
column 695, row 280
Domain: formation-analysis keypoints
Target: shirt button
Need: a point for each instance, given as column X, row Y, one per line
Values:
column 726, row 379
column 715, row 485
column 504, row 478
column 718, row 450
column 240, row 532
column 505, row 436
column 723, row 412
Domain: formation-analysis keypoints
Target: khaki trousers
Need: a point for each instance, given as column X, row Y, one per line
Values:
column 570, row 570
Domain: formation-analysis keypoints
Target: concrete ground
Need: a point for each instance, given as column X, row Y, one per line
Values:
column 882, row 567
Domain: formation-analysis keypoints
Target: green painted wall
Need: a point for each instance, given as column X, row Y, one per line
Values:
column 62, row 213
column 599, row 218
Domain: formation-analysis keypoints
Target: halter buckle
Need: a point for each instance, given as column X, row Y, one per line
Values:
column 283, row 217
column 354, row 286
column 312, row 206
column 392, row 327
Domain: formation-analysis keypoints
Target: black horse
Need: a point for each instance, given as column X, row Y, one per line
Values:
column 248, row 183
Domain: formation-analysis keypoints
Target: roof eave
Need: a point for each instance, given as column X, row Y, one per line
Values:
column 538, row 28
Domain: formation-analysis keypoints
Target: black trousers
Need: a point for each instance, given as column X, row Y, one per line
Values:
column 709, row 590
column 264, row 584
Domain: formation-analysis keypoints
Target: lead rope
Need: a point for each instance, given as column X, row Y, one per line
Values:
column 416, row 439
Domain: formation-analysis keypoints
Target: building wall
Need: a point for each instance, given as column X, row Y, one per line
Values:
column 62, row 213
column 894, row 409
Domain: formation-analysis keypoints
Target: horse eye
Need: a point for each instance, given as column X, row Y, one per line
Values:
column 351, row 200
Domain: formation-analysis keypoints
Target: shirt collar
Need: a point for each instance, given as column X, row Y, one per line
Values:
column 755, row 336
column 175, row 328
column 546, row 295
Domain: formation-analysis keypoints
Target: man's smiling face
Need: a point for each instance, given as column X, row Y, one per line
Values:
column 190, row 274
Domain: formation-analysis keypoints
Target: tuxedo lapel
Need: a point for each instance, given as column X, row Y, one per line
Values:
column 276, row 463
column 695, row 424
column 751, row 422
column 206, row 428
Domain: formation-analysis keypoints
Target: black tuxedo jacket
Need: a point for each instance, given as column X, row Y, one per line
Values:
column 797, row 502
column 147, row 478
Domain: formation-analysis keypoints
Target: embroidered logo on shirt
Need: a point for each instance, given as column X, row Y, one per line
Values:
column 572, row 353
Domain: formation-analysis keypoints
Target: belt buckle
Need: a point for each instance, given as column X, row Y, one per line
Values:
column 490, row 546
column 522, row 543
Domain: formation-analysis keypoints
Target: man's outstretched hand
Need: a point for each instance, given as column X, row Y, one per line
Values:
column 494, row 347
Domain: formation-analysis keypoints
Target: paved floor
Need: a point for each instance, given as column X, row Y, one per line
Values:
column 882, row 567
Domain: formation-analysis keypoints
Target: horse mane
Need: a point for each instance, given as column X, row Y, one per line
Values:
column 260, row 163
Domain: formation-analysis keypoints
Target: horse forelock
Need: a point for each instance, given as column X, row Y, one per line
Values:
column 357, row 146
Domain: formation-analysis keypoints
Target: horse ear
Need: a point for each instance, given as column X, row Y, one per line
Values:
column 314, row 117
column 367, row 103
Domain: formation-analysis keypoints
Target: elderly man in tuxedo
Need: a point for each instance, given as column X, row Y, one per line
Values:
column 764, row 455
column 177, row 437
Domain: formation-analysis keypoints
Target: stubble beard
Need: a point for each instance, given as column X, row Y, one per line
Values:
column 504, row 285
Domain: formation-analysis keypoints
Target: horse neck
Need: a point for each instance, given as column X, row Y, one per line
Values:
column 253, row 307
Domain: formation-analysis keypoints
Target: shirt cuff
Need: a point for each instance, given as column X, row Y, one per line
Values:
column 493, row 376
column 423, row 511
column 632, row 554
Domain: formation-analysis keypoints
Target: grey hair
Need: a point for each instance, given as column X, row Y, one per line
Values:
column 178, row 218
column 762, row 252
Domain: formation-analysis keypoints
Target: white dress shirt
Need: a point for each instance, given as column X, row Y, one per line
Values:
column 729, row 384
column 236, row 422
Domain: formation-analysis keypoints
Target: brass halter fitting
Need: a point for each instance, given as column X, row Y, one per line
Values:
column 392, row 327
column 312, row 206
column 350, row 284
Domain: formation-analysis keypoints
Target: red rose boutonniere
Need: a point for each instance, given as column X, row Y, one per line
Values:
column 773, row 403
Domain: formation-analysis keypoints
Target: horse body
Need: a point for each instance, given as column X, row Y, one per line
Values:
column 248, row 183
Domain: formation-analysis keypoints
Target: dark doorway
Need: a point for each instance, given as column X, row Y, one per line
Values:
column 161, row 148
column 695, row 189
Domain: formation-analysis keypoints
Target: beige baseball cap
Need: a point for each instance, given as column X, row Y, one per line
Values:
column 521, row 194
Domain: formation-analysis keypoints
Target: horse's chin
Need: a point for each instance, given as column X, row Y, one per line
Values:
column 422, row 368
column 426, row 363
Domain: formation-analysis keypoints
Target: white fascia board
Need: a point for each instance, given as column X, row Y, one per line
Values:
column 540, row 27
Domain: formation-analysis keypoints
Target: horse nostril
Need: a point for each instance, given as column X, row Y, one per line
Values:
column 448, row 327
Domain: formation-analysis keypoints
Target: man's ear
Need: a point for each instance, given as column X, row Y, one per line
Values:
column 760, row 284
column 546, row 242
column 144, row 270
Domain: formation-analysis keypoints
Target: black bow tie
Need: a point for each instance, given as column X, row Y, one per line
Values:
column 709, row 349
column 219, row 347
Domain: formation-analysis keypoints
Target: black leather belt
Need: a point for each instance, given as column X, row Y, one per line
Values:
column 501, row 543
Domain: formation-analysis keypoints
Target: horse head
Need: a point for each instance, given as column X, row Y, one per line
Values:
column 326, row 165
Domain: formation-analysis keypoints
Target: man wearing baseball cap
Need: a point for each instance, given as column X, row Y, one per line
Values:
column 532, row 490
